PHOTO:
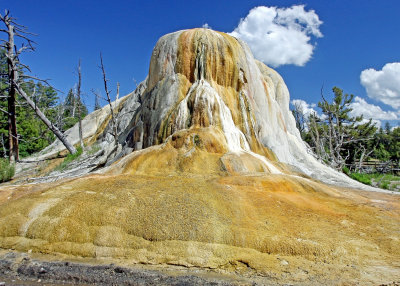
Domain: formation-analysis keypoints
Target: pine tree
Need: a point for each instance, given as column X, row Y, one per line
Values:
column 16, row 79
column 337, row 137
column 70, row 110
column 97, row 102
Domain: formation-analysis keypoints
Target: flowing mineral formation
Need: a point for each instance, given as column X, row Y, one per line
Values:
column 210, row 171
column 206, row 86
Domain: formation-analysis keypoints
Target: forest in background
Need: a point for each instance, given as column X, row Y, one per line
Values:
column 33, row 134
column 353, row 145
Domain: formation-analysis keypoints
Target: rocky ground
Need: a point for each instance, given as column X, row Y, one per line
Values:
column 24, row 269
column 21, row 269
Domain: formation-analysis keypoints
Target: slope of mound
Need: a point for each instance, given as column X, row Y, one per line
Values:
column 230, row 222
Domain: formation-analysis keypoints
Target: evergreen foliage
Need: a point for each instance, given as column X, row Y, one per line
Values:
column 338, row 138
column 345, row 142
column 33, row 135
column 71, row 110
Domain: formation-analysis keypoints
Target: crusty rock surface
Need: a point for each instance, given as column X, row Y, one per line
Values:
column 209, row 173
column 201, row 78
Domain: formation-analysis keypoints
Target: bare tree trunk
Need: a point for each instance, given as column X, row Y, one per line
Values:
column 96, row 100
column 3, row 146
column 12, row 77
column 73, row 105
column 16, row 30
column 117, row 91
column 60, row 116
column 114, row 123
column 78, row 95
column 43, row 117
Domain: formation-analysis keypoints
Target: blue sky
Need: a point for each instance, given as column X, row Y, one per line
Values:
column 357, row 35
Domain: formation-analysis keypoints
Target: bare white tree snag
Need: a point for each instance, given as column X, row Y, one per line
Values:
column 12, row 77
column 3, row 146
column 73, row 105
column 117, row 91
column 60, row 116
column 96, row 99
column 14, row 65
column 78, row 99
column 113, row 120
column 43, row 117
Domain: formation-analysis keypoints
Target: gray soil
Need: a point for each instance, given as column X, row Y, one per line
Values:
column 20, row 269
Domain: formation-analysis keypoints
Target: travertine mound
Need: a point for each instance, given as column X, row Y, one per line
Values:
column 210, row 172
column 207, row 87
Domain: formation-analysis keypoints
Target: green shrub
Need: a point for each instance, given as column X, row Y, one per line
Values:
column 346, row 170
column 70, row 157
column 362, row 178
column 383, row 181
column 384, row 185
column 7, row 170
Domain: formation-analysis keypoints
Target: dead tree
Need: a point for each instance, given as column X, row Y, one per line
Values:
column 13, row 29
column 14, row 65
column 96, row 100
column 3, row 146
column 113, row 119
column 60, row 116
column 78, row 99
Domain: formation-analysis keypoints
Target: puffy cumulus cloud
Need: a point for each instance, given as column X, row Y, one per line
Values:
column 280, row 36
column 383, row 85
column 370, row 111
column 361, row 107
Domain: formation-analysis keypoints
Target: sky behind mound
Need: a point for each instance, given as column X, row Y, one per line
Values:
column 351, row 45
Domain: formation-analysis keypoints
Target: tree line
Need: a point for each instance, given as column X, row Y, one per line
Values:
column 32, row 114
column 346, row 142
column 32, row 134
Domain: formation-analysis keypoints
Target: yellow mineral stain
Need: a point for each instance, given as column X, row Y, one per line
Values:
column 205, row 220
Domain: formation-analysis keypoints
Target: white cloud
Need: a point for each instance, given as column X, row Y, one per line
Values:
column 206, row 26
column 279, row 36
column 306, row 108
column 361, row 107
column 383, row 85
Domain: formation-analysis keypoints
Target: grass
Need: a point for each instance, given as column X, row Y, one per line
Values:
column 7, row 170
column 362, row 178
column 70, row 157
column 383, row 181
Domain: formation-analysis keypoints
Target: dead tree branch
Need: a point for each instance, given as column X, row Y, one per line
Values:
column 14, row 65
column 114, row 123
column 78, row 95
